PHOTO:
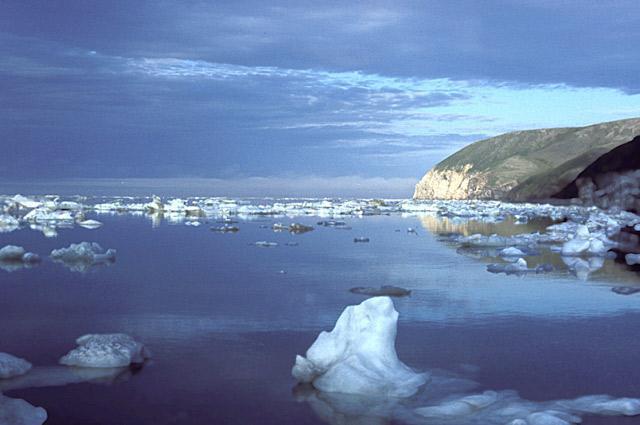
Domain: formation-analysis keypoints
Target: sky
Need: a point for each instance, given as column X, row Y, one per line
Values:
column 299, row 98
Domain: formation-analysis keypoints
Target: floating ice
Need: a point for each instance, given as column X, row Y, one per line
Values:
column 585, row 243
column 105, row 351
column 265, row 244
column 90, row 224
column 385, row 290
column 225, row 229
column 632, row 259
column 581, row 267
column 25, row 202
column 460, row 407
column 14, row 411
column 8, row 223
column 511, row 252
column 81, row 256
column 358, row 356
column 12, row 253
column 518, row 267
column 506, row 407
column 11, row 366
column 295, row 228
column 15, row 257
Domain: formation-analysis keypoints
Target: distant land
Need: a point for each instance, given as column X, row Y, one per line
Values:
column 589, row 163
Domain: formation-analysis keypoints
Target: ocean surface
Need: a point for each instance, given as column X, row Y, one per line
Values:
column 224, row 319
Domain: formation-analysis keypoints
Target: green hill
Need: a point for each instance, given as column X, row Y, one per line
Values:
column 523, row 165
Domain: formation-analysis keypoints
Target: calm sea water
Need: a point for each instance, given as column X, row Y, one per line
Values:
column 225, row 319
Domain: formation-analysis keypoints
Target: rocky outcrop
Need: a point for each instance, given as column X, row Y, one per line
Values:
column 524, row 165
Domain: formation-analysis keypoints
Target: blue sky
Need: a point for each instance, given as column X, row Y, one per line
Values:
column 297, row 98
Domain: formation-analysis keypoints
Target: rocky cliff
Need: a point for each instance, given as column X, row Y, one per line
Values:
column 524, row 165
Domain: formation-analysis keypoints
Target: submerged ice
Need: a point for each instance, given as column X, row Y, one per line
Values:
column 358, row 356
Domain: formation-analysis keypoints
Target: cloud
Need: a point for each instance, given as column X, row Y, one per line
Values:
column 69, row 111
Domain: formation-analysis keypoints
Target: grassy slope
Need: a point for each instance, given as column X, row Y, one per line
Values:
column 540, row 161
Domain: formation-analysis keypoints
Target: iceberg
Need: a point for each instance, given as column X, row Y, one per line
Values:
column 80, row 257
column 11, row 366
column 105, row 351
column 358, row 356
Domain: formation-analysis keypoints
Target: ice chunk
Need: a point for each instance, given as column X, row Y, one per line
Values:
column 11, row 366
column 358, row 356
column 90, row 224
column 388, row 290
column 14, row 258
column 520, row 266
column 80, row 257
column 8, row 223
column 105, row 350
column 604, row 405
column 14, row 411
column 511, row 252
column 25, row 202
column 12, row 253
column 460, row 407
column 265, row 244
column 575, row 247
column 632, row 259
column 225, row 229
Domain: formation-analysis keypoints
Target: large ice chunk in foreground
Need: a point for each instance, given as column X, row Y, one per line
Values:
column 14, row 411
column 105, row 350
column 358, row 356
column 11, row 366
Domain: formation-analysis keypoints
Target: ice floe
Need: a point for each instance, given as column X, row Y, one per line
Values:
column 11, row 366
column 90, row 224
column 358, row 356
column 578, row 231
column 14, row 257
column 265, row 244
column 15, row 411
column 105, row 351
column 82, row 256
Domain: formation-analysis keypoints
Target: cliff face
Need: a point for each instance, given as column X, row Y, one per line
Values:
column 456, row 184
column 524, row 165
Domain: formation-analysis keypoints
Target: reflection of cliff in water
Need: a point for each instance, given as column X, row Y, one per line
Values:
column 593, row 268
column 507, row 227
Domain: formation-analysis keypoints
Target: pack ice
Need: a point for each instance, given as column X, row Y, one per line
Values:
column 358, row 356
column 105, row 350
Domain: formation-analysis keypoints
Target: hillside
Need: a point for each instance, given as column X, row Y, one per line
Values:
column 524, row 165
